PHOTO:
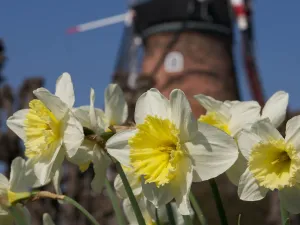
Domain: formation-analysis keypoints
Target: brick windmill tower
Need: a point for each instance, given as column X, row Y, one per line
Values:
column 187, row 45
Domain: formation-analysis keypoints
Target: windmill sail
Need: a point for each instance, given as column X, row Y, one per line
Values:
column 99, row 23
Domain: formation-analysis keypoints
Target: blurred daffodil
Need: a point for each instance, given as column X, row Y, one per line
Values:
column 149, row 214
column 96, row 124
column 273, row 163
column 169, row 150
column 13, row 191
column 48, row 128
column 148, row 210
column 47, row 220
column 91, row 150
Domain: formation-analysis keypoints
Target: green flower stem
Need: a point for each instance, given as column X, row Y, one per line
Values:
column 187, row 220
column 197, row 209
column 81, row 209
column 170, row 214
column 156, row 217
column 285, row 220
column 18, row 219
column 218, row 200
column 239, row 219
column 135, row 206
column 116, row 205
column 46, row 194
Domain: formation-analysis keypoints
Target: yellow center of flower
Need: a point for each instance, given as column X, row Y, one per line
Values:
column 274, row 164
column 42, row 130
column 156, row 151
column 213, row 119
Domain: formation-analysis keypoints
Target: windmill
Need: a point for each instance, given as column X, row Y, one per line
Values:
column 188, row 45
column 202, row 16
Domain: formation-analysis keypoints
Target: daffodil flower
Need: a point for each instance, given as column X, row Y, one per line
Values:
column 170, row 150
column 14, row 190
column 47, row 220
column 233, row 116
column 147, row 208
column 148, row 212
column 48, row 128
column 91, row 151
column 273, row 163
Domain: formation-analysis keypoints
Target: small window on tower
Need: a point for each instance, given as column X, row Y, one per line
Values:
column 174, row 62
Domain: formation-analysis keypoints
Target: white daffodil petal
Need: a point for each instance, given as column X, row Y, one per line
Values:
column 119, row 187
column 52, row 102
column 4, row 183
column 16, row 123
column 100, row 163
column 275, row 108
column 231, row 103
column 22, row 177
column 266, row 130
column 97, row 117
column 151, row 103
column 243, row 115
column 181, row 186
column 134, row 184
column 182, row 116
column 246, row 140
column 196, row 177
column 82, row 115
column 212, row 151
column 290, row 199
column 129, row 212
column 47, row 219
column 237, row 169
column 162, row 213
column 178, row 217
column 116, row 109
column 17, row 176
column 73, row 134
column 117, row 146
column 56, row 182
column 84, row 153
column 213, row 105
column 209, row 103
column 31, row 178
column 93, row 118
column 157, row 196
column 45, row 168
column 65, row 90
column 293, row 132
column 249, row 189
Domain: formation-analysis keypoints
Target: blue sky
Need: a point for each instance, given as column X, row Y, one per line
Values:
column 34, row 33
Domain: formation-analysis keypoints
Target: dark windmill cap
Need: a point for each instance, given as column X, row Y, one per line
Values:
column 155, row 16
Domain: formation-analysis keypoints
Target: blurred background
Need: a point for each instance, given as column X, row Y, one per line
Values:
column 238, row 49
